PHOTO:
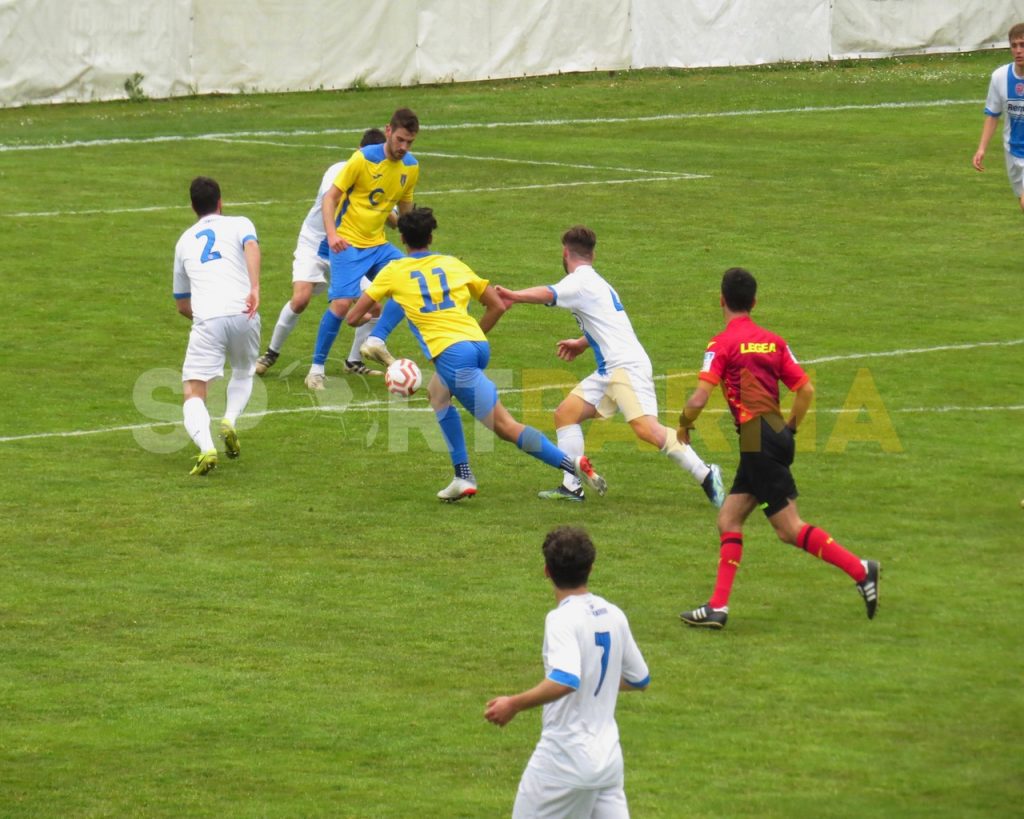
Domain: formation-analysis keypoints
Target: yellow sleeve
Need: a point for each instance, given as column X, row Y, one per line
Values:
column 474, row 283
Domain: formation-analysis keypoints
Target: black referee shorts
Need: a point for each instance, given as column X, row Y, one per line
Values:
column 767, row 447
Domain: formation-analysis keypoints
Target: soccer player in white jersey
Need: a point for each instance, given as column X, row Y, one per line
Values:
column 1006, row 96
column 623, row 380
column 311, row 266
column 217, row 286
column 589, row 656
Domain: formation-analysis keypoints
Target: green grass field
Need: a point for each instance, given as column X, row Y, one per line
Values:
column 308, row 632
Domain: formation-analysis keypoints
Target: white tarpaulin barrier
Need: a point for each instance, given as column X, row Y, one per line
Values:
column 57, row 51
column 878, row 28
column 719, row 32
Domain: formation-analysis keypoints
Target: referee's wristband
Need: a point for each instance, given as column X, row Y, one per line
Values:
column 687, row 422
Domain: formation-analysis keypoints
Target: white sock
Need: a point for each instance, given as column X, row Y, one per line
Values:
column 316, row 369
column 197, row 423
column 362, row 333
column 570, row 441
column 239, row 389
column 684, row 456
column 285, row 324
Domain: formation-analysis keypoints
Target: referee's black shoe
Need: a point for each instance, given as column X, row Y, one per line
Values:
column 868, row 587
column 706, row 617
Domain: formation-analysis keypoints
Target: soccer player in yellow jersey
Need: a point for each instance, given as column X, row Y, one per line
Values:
column 434, row 290
column 375, row 180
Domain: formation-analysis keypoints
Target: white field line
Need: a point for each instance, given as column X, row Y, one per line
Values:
column 240, row 136
column 378, row 403
column 451, row 191
column 470, row 157
column 810, row 109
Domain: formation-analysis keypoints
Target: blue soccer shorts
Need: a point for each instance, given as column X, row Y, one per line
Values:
column 461, row 367
column 350, row 265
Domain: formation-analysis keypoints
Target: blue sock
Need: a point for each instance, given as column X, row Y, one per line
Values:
column 390, row 317
column 330, row 325
column 534, row 443
column 451, row 427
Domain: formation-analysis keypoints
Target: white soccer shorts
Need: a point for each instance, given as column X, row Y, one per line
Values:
column 631, row 392
column 540, row 798
column 307, row 266
column 1015, row 170
column 211, row 342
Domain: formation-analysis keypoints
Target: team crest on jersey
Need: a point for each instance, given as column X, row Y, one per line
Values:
column 404, row 177
column 708, row 358
column 1019, row 89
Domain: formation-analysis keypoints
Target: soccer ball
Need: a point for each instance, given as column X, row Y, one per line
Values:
column 403, row 377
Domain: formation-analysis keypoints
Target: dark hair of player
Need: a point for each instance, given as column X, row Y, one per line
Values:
column 205, row 194
column 372, row 136
column 739, row 289
column 581, row 241
column 417, row 227
column 405, row 118
column 1017, row 32
column 569, row 556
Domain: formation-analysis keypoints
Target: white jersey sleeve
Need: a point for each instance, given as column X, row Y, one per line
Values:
column 210, row 266
column 312, row 236
column 634, row 667
column 995, row 101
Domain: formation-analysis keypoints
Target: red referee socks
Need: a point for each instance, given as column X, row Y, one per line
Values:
column 728, row 562
column 819, row 543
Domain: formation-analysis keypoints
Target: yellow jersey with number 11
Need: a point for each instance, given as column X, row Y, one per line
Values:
column 434, row 290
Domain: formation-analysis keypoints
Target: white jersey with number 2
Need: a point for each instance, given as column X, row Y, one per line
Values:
column 209, row 266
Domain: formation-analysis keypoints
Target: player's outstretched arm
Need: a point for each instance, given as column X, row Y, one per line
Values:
column 531, row 295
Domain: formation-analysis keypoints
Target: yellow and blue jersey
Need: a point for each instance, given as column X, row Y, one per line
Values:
column 434, row 290
column 371, row 186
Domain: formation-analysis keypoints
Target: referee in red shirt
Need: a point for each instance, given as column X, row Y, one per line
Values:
column 749, row 362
